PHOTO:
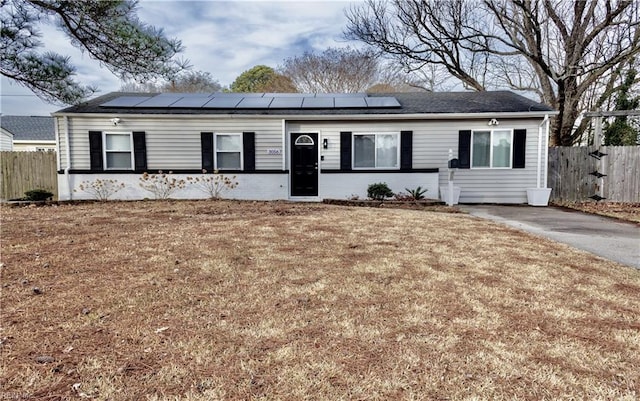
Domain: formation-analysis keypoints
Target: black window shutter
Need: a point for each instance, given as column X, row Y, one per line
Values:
column 464, row 149
column 249, row 150
column 345, row 151
column 206, row 148
column 406, row 150
column 519, row 148
column 139, row 151
column 95, row 150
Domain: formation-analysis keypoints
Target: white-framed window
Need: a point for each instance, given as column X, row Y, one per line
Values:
column 376, row 150
column 228, row 151
column 118, row 150
column 491, row 148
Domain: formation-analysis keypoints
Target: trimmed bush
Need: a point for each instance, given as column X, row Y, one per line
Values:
column 379, row 191
column 37, row 195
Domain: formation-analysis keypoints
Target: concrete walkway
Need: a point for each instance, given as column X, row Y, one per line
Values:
column 605, row 237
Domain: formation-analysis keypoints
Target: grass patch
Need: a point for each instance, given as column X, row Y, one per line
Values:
column 618, row 210
column 252, row 300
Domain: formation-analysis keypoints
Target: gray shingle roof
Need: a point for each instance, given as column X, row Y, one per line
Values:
column 411, row 103
column 29, row 128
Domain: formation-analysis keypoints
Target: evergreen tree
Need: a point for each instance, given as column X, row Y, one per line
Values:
column 108, row 31
column 620, row 132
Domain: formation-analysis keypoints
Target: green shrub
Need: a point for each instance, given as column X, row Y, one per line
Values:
column 379, row 191
column 38, row 195
column 416, row 194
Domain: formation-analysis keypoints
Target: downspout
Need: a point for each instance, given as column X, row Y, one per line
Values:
column 542, row 152
column 68, row 157
column 539, row 164
column 546, row 149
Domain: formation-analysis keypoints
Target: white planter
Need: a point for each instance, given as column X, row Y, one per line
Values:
column 538, row 196
column 444, row 194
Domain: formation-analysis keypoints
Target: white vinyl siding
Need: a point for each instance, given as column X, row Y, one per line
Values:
column 6, row 141
column 174, row 143
column 491, row 148
column 432, row 140
column 228, row 151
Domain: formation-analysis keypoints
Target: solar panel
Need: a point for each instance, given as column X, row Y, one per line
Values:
column 350, row 102
column 318, row 103
column 183, row 94
column 191, row 102
column 382, row 102
column 254, row 103
column 222, row 103
column 286, row 103
column 125, row 101
column 237, row 94
column 341, row 94
column 227, row 94
column 159, row 101
column 285, row 95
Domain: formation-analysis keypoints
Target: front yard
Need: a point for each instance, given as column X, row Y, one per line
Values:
column 250, row 300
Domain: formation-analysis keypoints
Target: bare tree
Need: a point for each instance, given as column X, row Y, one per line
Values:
column 555, row 49
column 193, row 82
column 143, row 87
column 188, row 82
column 334, row 70
column 347, row 70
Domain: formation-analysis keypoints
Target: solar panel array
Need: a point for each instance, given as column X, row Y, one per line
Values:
column 260, row 101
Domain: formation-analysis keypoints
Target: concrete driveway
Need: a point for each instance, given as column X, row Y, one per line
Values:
column 605, row 237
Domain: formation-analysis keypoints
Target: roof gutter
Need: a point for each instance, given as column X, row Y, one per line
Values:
column 323, row 117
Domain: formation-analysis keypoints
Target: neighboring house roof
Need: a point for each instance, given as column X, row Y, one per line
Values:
column 407, row 103
column 29, row 128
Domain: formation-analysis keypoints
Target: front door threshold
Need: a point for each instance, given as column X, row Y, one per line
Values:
column 305, row 199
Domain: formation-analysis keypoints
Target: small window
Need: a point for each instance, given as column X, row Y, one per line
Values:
column 305, row 140
column 376, row 150
column 491, row 148
column 118, row 151
column 228, row 151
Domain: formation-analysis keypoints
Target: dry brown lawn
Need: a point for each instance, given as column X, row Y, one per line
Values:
column 619, row 210
column 228, row 300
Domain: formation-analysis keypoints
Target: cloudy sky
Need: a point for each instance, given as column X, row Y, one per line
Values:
column 222, row 38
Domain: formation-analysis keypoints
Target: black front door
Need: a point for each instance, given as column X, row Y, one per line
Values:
column 304, row 164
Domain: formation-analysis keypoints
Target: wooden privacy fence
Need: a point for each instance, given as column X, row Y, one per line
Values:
column 24, row 171
column 578, row 173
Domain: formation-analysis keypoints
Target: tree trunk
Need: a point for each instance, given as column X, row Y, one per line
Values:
column 568, row 99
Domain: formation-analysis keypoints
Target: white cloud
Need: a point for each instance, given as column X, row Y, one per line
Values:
column 223, row 38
